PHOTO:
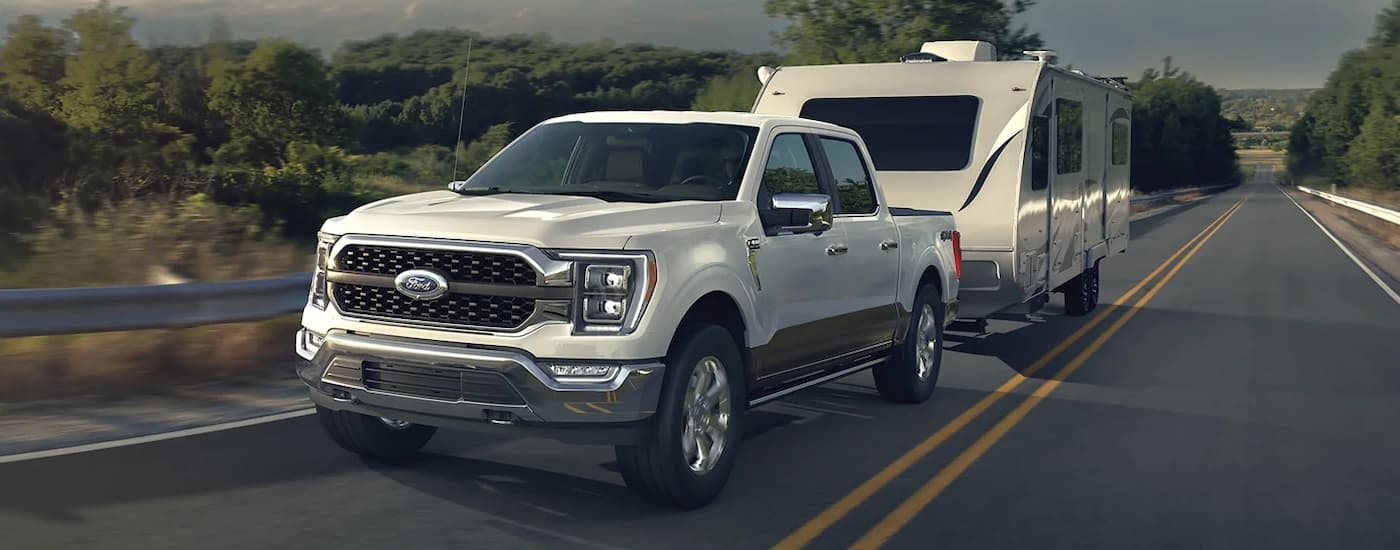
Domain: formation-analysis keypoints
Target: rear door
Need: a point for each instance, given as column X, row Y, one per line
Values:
column 868, row 272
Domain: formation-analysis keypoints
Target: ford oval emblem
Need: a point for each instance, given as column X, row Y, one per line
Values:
column 421, row 284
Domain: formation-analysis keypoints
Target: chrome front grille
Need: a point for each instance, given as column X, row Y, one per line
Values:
column 497, row 312
column 492, row 287
column 440, row 383
column 458, row 265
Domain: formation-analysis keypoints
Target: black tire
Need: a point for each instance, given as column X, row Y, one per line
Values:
column 656, row 466
column 901, row 379
column 371, row 437
column 1082, row 293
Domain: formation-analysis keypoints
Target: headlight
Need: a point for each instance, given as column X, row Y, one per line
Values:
column 324, row 243
column 612, row 291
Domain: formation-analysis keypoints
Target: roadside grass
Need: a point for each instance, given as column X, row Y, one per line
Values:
column 120, row 364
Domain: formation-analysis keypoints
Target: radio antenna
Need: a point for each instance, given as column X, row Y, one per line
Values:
column 462, row 115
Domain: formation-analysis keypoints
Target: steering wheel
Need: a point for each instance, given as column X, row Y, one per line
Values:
column 703, row 178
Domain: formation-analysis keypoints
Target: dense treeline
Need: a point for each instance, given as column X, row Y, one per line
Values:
column 1179, row 136
column 234, row 132
column 1350, row 133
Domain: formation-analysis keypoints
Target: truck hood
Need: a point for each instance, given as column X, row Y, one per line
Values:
column 545, row 221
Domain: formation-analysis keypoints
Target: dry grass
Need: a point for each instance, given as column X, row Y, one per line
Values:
column 148, row 361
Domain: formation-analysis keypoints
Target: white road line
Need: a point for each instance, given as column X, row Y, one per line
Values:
column 35, row 455
column 1389, row 291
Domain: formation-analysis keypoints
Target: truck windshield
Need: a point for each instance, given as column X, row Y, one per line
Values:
column 631, row 162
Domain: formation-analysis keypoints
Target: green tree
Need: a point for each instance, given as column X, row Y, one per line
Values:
column 863, row 31
column 1321, row 142
column 1387, row 27
column 110, row 97
column 735, row 92
column 279, row 95
column 1374, row 157
column 1179, row 136
column 31, row 62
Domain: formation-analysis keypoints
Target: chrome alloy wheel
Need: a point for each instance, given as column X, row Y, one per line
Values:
column 706, row 415
column 928, row 341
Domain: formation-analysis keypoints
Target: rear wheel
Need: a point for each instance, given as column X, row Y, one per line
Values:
column 912, row 371
column 685, row 458
column 1082, row 293
column 374, row 437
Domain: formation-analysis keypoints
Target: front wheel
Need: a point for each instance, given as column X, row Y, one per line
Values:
column 687, row 453
column 912, row 371
column 373, row 437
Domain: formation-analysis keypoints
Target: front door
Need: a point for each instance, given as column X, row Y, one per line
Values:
column 800, row 293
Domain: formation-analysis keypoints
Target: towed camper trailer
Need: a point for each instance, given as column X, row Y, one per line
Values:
column 1031, row 158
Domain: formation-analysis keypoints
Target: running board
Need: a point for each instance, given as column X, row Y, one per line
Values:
column 816, row 382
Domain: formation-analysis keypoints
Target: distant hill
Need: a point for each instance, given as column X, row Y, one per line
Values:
column 1264, row 110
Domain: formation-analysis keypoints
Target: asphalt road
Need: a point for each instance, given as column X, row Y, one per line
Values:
column 1246, row 395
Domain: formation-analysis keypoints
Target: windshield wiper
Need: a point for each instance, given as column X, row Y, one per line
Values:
column 618, row 196
column 481, row 191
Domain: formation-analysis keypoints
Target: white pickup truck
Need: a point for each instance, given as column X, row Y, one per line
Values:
column 632, row 278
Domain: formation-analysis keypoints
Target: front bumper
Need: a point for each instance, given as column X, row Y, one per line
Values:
column 611, row 410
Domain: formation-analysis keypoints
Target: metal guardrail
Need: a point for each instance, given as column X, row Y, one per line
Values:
column 33, row 312
column 1372, row 209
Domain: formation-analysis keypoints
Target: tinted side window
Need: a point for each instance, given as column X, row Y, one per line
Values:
column 790, row 168
column 1121, row 133
column 923, row 134
column 1040, row 152
column 851, row 178
column 1069, row 136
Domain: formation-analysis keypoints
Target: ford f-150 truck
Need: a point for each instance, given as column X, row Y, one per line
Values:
column 632, row 278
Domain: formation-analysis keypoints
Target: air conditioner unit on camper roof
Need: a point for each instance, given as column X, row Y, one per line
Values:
column 961, row 50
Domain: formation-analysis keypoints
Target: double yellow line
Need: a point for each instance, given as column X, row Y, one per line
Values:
column 930, row 490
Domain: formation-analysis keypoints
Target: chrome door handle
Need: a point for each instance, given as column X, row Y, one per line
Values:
column 836, row 250
column 886, row 245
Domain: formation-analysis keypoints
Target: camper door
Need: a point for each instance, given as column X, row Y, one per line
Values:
column 1067, row 185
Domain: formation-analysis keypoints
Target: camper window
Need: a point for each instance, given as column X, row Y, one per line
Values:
column 1040, row 152
column 851, row 178
column 1121, row 133
column 917, row 134
column 1069, row 136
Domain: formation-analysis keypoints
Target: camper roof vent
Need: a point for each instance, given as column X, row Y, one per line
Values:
column 1042, row 56
column 961, row 50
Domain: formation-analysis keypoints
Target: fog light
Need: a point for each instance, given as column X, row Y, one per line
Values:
column 583, row 371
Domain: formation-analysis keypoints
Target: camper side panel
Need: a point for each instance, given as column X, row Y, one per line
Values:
column 1120, row 108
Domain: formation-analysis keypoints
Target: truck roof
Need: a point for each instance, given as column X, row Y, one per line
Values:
column 683, row 117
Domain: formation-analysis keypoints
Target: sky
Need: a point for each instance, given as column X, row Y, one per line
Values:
column 1227, row 43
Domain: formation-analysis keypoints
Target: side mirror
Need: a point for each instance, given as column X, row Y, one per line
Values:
column 799, row 213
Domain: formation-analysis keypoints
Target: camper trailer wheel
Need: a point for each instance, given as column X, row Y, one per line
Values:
column 1082, row 293
column 912, row 371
